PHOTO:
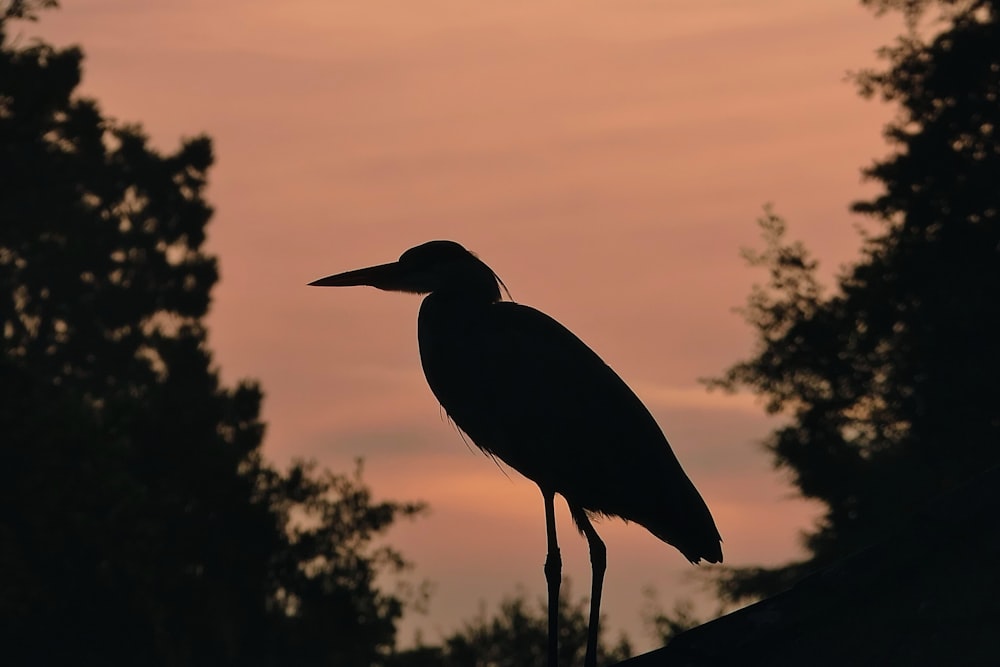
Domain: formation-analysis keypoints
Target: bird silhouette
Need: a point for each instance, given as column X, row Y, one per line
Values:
column 528, row 391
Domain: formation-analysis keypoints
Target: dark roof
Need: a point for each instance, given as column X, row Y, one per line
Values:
column 927, row 595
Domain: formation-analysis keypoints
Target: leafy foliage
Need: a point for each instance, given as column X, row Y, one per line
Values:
column 890, row 382
column 665, row 625
column 516, row 636
column 23, row 9
column 138, row 521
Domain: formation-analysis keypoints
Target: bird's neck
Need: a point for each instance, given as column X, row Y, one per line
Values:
column 449, row 329
column 446, row 314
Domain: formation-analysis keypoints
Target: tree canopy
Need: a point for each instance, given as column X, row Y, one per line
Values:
column 890, row 382
column 516, row 636
column 139, row 523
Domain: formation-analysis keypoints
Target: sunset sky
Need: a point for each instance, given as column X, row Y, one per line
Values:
column 606, row 158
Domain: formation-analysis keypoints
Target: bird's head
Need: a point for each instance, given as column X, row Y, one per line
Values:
column 436, row 266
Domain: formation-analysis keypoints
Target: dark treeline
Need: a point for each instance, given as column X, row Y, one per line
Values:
column 139, row 523
column 889, row 382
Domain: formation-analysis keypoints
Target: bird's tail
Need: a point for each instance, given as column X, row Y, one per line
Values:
column 692, row 531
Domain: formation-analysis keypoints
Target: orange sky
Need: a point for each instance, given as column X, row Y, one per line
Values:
column 606, row 158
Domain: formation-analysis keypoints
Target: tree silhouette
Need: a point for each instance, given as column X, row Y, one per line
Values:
column 138, row 521
column 891, row 381
column 516, row 636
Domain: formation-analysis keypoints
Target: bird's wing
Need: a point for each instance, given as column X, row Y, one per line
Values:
column 554, row 410
column 526, row 389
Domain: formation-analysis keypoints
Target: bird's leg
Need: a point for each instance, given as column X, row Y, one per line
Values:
column 598, row 564
column 553, row 576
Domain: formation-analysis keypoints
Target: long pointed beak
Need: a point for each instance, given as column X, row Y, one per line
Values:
column 383, row 276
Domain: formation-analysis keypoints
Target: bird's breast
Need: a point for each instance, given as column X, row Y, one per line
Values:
column 456, row 355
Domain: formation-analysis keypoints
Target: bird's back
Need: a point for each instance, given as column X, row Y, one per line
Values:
column 527, row 390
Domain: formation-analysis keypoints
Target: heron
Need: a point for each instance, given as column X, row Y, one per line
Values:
column 526, row 390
